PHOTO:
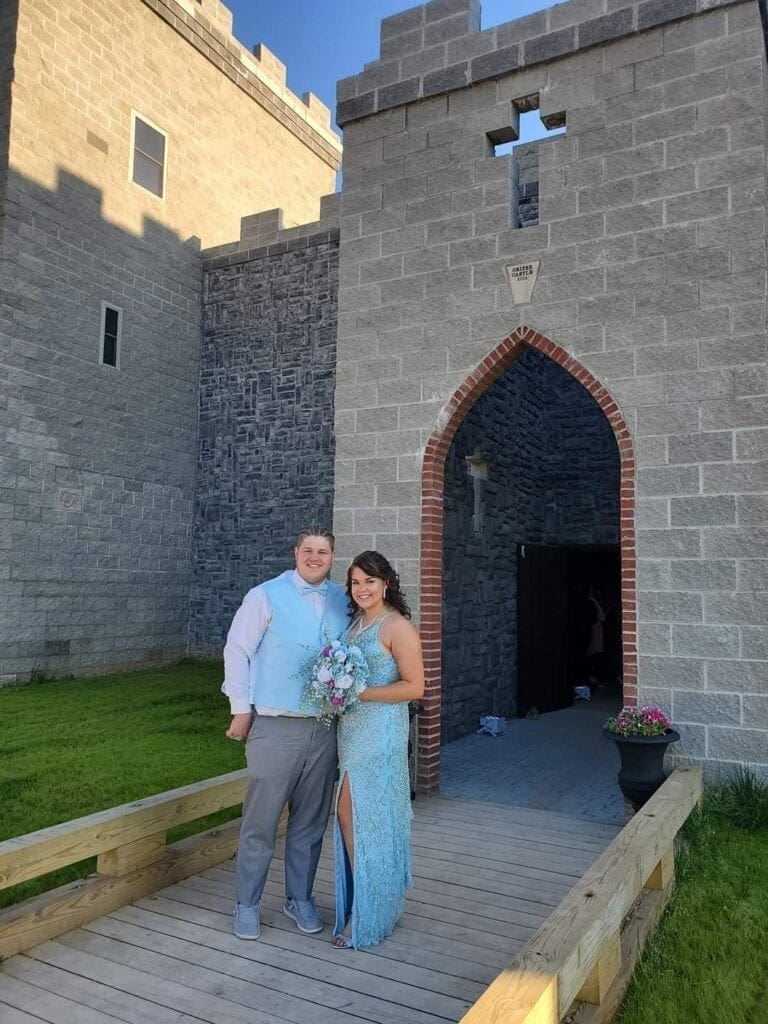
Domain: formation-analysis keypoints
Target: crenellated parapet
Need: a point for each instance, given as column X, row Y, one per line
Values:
column 207, row 25
column 438, row 47
column 263, row 234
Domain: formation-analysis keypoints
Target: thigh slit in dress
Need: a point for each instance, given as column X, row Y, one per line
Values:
column 373, row 755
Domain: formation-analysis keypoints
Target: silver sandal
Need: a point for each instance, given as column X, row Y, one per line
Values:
column 340, row 940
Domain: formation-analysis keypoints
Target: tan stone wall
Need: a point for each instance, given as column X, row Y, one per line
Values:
column 82, row 67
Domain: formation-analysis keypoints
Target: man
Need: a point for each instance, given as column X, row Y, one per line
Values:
column 291, row 757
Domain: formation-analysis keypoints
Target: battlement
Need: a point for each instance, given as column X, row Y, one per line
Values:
column 263, row 234
column 438, row 47
column 207, row 25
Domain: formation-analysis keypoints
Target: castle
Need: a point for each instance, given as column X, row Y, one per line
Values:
column 134, row 133
column 504, row 371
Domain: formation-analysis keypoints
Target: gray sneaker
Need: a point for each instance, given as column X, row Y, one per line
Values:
column 304, row 913
column 247, row 925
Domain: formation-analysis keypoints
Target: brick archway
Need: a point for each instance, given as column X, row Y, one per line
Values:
column 432, row 489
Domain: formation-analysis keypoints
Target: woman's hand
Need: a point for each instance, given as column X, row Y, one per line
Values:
column 239, row 726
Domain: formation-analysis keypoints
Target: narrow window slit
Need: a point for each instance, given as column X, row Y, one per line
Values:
column 111, row 329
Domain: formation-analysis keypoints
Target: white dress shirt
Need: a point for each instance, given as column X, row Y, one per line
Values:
column 249, row 625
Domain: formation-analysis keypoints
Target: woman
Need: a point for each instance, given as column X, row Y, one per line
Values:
column 373, row 809
column 596, row 646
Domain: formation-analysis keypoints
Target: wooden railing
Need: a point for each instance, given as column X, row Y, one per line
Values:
column 133, row 858
column 581, row 958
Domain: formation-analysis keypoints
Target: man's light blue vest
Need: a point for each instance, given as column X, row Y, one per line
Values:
column 294, row 637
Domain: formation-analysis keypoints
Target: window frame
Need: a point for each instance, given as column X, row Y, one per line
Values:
column 137, row 115
column 118, row 339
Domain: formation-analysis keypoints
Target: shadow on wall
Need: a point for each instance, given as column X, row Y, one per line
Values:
column 97, row 465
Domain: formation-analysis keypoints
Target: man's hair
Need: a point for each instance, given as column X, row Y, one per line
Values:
column 316, row 531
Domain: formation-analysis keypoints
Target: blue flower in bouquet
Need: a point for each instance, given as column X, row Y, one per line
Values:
column 337, row 676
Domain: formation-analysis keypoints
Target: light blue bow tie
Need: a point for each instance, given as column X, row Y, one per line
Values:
column 321, row 588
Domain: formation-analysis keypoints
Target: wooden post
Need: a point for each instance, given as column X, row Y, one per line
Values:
column 138, row 854
column 663, row 874
column 603, row 973
column 530, row 998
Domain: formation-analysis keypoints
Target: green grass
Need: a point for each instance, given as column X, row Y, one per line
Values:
column 708, row 962
column 69, row 748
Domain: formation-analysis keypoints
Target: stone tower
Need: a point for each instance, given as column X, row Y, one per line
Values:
column 649, row 267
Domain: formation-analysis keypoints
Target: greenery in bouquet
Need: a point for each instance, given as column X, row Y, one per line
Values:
column 337, row 677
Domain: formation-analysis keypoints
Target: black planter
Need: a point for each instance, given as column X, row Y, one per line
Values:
column 642, row 763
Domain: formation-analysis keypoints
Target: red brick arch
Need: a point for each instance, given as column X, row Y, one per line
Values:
column 432, row 489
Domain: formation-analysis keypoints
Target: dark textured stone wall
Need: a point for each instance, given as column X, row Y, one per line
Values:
column 580, row 485
column 265, row 465
column 479, row 567
column 552, row 479
column 526, row 158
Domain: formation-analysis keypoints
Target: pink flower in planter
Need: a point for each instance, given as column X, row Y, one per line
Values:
column 645, row 721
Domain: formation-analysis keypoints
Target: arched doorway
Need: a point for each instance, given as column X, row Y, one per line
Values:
column 432, row 527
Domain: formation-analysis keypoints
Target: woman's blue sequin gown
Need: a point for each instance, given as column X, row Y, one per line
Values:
column 373, row 753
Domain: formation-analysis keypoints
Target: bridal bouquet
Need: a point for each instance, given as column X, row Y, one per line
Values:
column 337, row 676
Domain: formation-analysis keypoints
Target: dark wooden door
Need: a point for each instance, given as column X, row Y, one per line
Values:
column 542, row 629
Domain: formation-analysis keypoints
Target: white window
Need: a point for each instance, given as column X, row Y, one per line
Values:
column 111, row 329
column 149, row 156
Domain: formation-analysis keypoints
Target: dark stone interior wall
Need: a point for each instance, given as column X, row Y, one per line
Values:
column 552, row 479
column 266, row 452
column 526, row 171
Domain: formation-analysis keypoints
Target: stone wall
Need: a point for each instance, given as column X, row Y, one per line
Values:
column 9, row 13
column 266, row 449
column 652, row 277
column 552, row 479
column 98, row 463
column 578, row 481
column 526, row 169
column 238, row 140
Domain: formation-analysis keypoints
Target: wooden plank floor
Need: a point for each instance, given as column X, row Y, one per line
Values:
column 485, row 877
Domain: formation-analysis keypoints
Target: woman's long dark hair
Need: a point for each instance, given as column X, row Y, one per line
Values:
column 374, row 564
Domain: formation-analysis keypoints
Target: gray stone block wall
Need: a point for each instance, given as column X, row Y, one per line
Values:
column 97, row 463
column 552, row 479
column 266, row 448
column 651, row 242
column 8, row 30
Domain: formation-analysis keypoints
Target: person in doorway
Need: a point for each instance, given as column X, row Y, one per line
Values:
column 596, row 642
column 373, row 809
column 291, row 756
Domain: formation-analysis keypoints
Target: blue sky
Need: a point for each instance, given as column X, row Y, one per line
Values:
column 321, row 41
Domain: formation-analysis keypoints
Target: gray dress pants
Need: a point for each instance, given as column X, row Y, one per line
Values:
column 293, row 761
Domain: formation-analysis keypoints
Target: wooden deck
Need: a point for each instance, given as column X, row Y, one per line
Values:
column 485, row 878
